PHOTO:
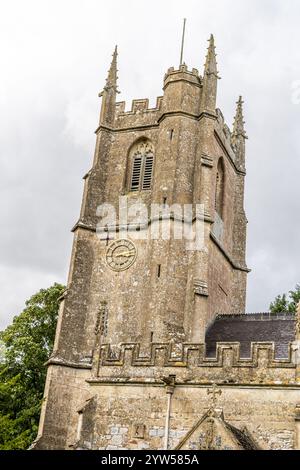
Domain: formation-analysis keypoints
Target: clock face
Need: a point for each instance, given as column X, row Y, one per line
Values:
column 120, row 255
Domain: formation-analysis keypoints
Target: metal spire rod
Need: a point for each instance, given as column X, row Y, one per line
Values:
column 182, row 42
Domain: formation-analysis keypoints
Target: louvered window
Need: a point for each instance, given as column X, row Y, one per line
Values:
column 142, row 170
column 148, row 168
column 136, row 173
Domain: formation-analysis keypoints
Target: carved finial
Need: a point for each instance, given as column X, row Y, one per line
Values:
column 211, row 61
column 210, row 80
column 111, row 81
column 214, row 391
column 238, row 125
column 108, row 105
column 238, row 136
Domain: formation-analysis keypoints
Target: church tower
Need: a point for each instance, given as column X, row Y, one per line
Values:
column 177, row 155
column 140, row 300
column 138, row 287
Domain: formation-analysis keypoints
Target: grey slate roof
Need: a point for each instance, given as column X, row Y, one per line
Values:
column 247, row 328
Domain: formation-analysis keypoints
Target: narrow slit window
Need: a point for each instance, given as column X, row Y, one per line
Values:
column 219, row 194
column 158, row 270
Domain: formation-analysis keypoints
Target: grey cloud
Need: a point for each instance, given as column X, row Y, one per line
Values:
column 54, row 61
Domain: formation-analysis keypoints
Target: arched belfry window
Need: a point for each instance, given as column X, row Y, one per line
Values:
column 141, row 161
column 219, row 196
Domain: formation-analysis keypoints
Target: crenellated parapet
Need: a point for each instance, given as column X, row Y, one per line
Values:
column 185, row 355
column 174, row 75
column 224, row 135
column 139, row 115
column 190, row 363
column 138, row 106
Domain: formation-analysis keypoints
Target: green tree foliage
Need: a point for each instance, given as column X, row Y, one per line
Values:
column 25, row 347
column 286, row 303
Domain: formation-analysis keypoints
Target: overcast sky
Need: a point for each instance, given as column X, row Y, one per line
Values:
column 54, row 57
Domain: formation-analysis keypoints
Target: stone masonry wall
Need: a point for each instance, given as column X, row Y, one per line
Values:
column 101, row 371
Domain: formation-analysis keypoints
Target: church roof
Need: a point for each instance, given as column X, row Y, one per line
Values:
column 252, row 328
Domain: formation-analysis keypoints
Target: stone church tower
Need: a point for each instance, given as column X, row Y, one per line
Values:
column 130, row 369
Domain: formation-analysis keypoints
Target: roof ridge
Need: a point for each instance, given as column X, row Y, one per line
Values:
column 257, row 315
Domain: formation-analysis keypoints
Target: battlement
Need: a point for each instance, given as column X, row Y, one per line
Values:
column 126, row 363
column 182, row 75
column 225, row 134
column 138, row 106
column 182, row 69
column 186, row 355
column 222, row 124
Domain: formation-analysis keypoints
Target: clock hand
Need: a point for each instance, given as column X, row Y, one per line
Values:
column 127, row 254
